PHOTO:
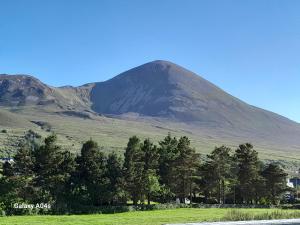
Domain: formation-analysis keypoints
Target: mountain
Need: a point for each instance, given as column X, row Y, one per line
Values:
column 159, row 95
column 22, row 89
column 164, row 89
column 25, row 90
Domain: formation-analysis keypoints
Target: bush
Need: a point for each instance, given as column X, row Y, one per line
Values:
column 4, row 131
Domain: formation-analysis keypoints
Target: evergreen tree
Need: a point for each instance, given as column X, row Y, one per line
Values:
column 184, row 169
column 133, row 166
column 220, row 167
column 52, row 171
column 248, row 172
column 67, row 168
column 116, row 184
column 10, row 188
column 24, row 161
column 150, row 177
column 92, row 172
column 207, row 182
column 24, row 170
column 275, row 180
column 168, row 152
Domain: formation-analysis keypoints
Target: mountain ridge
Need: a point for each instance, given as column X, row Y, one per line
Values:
column 88, row 87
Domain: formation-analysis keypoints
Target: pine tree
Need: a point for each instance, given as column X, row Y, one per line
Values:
column 52, row 171
column 150, row 176
column 184, row 169
column 133, row 166
column 168, row 152
column 275, row 180
column 116, row 180
column 24, row 161
column 92, row 172
column 220, row 165
column 248, row 172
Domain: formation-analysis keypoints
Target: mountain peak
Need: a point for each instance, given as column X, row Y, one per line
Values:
column 162, row 62
column 22, row 89
column 158, row 88
column 158, row 71
column 17, row 76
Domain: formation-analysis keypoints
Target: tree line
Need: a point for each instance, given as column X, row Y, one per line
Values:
column 43, row 172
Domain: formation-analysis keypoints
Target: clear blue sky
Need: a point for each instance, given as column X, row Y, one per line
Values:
column 250, row 48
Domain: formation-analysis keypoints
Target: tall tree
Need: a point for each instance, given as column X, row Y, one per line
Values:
column 24, row 170
column 24, row 161
column 168, row 152
column 52, row 169
column 133, row 166
column 275, row 180
column 184, row 169
column 248, row 172
column 116, row 193
column 220, row 164
column 207, row 182
column 150, row 176
column 92, row 172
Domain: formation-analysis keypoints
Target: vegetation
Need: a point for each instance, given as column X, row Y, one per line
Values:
column 172, row 170
column 153, row 217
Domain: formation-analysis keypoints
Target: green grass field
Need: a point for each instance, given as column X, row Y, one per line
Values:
column 143, row 217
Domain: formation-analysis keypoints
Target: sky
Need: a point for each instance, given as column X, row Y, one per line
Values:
column 249, row 48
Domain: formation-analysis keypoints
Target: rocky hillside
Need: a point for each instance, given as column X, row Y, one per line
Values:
column 25, row 90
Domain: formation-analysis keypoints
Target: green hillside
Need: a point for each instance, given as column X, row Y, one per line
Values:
column 113, row 133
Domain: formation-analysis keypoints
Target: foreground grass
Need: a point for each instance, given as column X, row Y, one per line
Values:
column 152, row 217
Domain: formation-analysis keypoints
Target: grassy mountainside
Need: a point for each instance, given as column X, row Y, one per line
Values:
column 113, row 133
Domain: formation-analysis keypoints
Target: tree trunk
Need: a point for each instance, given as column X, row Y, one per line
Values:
column 148, row 197
column 223, row 192
column 191, row 192
column 135, row 200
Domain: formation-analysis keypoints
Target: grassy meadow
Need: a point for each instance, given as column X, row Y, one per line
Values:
column 156, row 217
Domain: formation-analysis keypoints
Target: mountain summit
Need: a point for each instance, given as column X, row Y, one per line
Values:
column 158, row 88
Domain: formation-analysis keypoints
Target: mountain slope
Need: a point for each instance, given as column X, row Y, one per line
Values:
column 164, row 89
